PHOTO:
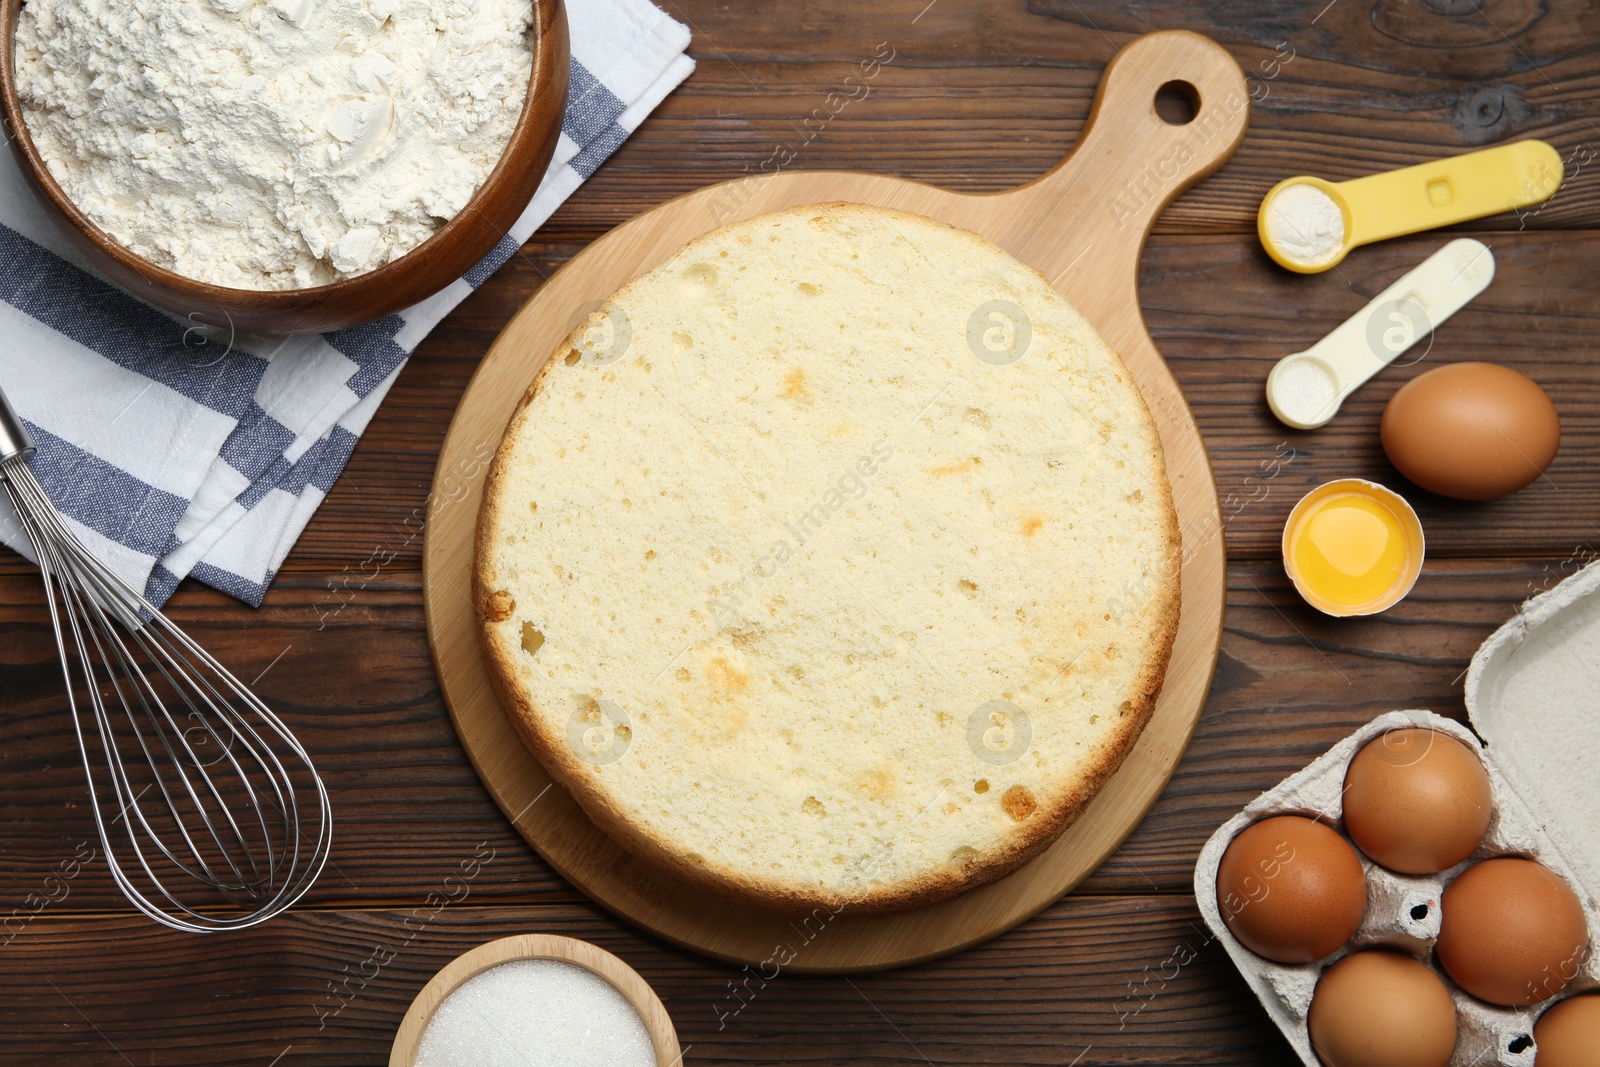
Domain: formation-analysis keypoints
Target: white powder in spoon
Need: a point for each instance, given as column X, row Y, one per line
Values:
column 1304, row 391
column 536, row 1013
column 1306, row 224
column 272, row 144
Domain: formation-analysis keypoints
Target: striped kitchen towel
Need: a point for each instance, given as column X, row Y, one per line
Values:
column 177, row 450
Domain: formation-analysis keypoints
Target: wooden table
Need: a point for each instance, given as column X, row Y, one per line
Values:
column 979, row 96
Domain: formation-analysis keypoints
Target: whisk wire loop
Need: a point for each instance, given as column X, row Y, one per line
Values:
column 232, row 786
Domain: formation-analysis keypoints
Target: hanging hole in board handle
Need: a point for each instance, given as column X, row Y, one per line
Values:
column 1177, row 103
column 1170, row 109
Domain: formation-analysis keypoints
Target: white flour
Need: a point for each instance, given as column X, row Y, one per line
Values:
column 272, row 144
column 1306, row 225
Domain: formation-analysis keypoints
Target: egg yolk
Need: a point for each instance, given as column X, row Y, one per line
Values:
column 1350, row 550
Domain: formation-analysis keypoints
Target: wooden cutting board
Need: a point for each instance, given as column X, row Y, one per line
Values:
column 1083, row 225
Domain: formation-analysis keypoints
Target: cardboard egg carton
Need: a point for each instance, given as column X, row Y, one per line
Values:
column 1533, row 694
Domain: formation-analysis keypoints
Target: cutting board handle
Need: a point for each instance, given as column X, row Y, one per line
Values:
column 1130, row 163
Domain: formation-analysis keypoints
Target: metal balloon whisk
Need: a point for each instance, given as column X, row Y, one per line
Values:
column 210, row 813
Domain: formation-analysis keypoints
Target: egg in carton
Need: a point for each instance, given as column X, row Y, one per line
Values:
column 1533, row 694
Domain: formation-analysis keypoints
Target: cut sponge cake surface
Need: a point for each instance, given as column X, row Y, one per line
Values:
column 831, row 562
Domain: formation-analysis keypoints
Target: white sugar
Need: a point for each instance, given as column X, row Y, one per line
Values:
column 1304, row 391
column 536, row 1013
column 1305, row 224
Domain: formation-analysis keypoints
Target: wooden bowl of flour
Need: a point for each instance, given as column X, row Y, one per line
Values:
column 454, row 249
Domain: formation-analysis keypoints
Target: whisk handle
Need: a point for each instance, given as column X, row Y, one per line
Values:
column 14, row 437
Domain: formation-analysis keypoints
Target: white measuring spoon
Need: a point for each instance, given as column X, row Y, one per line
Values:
column 1305, row 389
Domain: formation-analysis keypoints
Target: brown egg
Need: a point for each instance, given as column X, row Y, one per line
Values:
column 1474, row 431
column 1417, row 800
column 1512, row 932
column 1568, row 1035
column 1291, row 889
column 1382, row 1009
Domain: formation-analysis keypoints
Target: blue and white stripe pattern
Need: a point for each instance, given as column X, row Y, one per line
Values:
column 174, row 451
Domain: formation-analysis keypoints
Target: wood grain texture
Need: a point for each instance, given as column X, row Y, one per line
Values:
column 985, row 95
column 1219, row 311
column 982, row 96
column 361, row 693
column 1082, row 226
column 1131, row 979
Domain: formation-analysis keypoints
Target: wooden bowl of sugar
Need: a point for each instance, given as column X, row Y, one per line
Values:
column 569, row 1001
column 453, row 249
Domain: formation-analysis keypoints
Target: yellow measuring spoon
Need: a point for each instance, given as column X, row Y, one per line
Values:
column 1308, row 225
